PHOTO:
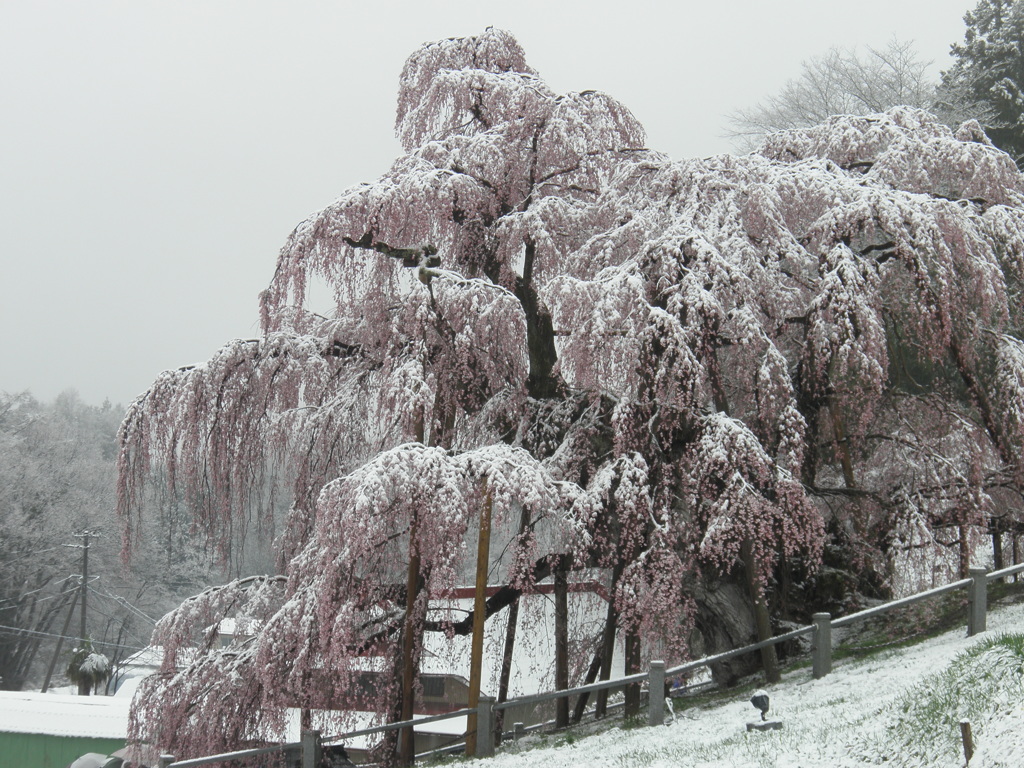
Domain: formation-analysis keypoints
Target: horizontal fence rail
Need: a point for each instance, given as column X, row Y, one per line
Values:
column 537, row 698
column 874, row 611
column 821, row 656
column 399, row 725
column 168, row 761
column 1004, row 572
column 726, row 655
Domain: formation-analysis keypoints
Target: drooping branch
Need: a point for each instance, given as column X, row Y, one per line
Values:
column 421, row 256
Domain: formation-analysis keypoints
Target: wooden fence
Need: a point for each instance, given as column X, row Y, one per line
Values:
column 310, row 747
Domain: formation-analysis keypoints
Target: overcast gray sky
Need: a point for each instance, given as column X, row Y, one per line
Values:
column 155, row 155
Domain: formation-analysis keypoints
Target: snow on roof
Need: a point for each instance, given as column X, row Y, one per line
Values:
column 103, row 717
column 151, row 656
column 243, row 626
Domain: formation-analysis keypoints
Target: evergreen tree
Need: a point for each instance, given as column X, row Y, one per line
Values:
column 988, row 75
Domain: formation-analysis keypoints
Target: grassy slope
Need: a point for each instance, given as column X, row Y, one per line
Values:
column 899, row 704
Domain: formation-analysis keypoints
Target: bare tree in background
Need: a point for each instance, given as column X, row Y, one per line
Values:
column 843, row 81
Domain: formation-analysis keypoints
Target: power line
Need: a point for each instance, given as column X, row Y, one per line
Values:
column 124, row 603
column 33, row 591
column 125, row 627
column 5, row 630
column 31, row 554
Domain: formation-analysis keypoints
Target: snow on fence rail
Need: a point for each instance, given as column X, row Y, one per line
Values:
column 821, row 664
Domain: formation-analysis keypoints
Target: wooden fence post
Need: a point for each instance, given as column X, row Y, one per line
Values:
column 656, row 697
column 821, row 645
column 164, row 760
column 977, row 603
column 485, row 727
column 310, row 749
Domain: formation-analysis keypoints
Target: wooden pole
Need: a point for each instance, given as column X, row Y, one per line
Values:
column 608, row 644
column 406, row 741
column 510, row 641
column 479, row 616
column 561, row 641
column 85, row 580
column 631, row 703
column 407, row 737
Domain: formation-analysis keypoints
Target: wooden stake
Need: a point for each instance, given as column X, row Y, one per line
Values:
column 407, row 737
column 479, row 616
column 561, row 640
column 967, row 739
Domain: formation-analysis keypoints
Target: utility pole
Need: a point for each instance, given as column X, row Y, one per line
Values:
column 84, row 686
column 86, row 535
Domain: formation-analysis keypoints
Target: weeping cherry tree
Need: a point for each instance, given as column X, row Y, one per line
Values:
column 656, row 373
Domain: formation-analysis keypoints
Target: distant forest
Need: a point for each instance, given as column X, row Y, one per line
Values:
column 57, row 470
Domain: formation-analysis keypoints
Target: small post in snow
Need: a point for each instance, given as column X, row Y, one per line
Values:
column 977, row 603
column 967, row 739
column 656, row 696
column 821, row 645
column 485, row 727
column 310, row 749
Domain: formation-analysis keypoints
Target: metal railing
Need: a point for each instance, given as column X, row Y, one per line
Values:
column 821, row 664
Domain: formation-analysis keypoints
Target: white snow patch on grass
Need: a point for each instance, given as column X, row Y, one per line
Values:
column 852, row 717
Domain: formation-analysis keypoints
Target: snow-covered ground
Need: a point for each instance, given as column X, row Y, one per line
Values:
column 860, row 714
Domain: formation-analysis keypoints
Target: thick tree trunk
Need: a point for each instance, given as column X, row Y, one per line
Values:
column 842, row 445
column 997, row 546
column 965, row 551
column 632, row 704
column 506, row 664
column 762, row 621
column 388, row 752
column 583, row 698
column 608, row 644
column 540, row 334
column 988, row 415
column 785, row 587
column 407, row 737
column 510, row 642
